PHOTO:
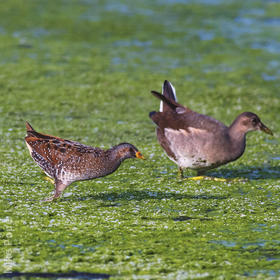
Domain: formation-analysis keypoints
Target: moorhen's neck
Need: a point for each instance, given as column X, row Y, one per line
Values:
column 237, row 131
column 237, row 134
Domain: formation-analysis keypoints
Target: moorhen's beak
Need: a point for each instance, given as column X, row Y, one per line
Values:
column 265, row 129
column 139, row 155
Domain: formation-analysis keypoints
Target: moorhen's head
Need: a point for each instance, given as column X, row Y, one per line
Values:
column 248, row 121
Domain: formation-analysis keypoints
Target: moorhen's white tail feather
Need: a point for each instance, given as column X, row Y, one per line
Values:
column 168, row 90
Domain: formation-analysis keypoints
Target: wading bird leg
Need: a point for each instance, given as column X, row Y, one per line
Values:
column 180, row 173
column 59, row 188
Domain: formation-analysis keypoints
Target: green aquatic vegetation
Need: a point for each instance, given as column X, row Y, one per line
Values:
column 83, row 70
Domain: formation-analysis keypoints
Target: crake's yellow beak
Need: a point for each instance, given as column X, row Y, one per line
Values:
column 139, row 155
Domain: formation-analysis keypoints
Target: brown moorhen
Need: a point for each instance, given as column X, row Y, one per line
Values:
column 197, row 141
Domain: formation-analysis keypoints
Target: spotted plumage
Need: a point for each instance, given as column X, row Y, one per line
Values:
column 67, row 161
column 197, row 141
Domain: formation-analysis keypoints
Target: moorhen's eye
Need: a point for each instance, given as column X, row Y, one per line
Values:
column 254, row 121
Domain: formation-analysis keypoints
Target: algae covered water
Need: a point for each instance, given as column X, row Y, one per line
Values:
column 83, row 70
